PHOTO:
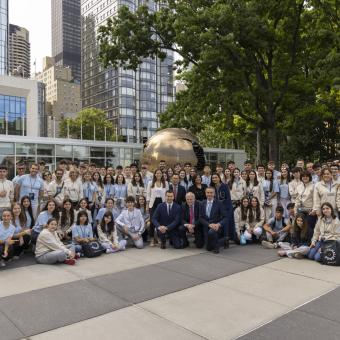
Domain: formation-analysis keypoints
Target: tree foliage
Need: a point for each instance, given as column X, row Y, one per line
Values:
column 265, row 62
column 88, row 124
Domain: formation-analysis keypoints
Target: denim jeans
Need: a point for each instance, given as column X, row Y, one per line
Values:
column 315, row 253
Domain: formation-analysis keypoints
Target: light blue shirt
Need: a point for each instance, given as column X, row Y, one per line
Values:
column 28, row 219
column 17, row 226
column 266, row 187
column 6, row 233
column 284, row 190
column 102, row 211
column 108, row 190
column 120, row 191
column 31, row 187
column 83, row 231
column 206, row 180
column 42, row 219
column 89, row 188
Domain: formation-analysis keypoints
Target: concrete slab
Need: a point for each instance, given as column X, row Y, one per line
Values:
column 280, row 287
column 213, row 311
column 129, row 324
column 42, row 310
column 21, row 280
column 308, row 268
column 144, row 283
column 8, row 330
column 296, row 325
column 327, row 306
column 253, row 254
column 25, row 260
column 205, row 267
column 102, row 265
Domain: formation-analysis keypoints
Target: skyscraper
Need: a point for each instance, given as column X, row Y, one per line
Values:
column 131, row 99
column 66, row 35
column 3, row 37
column 19, row 51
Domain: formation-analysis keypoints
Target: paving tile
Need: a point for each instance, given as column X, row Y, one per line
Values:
column 205, row 267
column 27, row 259
column 253, row 254
column 8, row 329
column 327, row 306
column 21, row 280
column 281, row 287
column 296, row 325
column 215, row 312
column 308, row 268
column 42, row 310
column 144, row 283
column 129, row 324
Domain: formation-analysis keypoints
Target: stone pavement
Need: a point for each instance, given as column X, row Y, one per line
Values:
column 244, row 292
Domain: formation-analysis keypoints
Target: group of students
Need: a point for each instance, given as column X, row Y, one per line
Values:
column 56, row 214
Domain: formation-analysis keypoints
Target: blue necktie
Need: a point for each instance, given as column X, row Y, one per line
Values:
column 208, row 208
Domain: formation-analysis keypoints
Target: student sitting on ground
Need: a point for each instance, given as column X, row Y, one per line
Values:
column 50, row 250
column 82, row 231
column 131, row 223
column 276, row 229
column 301, row 238
column 108, row 234
column 326, row 229
column 6, row 233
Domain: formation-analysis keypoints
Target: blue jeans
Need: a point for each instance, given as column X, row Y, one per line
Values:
column 315, row 253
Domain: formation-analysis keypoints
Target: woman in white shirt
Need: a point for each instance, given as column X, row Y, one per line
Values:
column 255, row 220
column 271, row 190
column 254, row 187
column 136, row 187
column 154, row 196
column 284, row 197
column 238, row 187
column 120, row 192
column 73, row 188
column 294, row 184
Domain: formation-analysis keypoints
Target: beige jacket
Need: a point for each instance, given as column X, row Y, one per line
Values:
column 259, row 223
column 48, row 242
column 305, row 196
column 257, row 192
column 238, row 190
column 326, row 231
column 239, row 223
column 112, row 238
column 324, row 193
column 293, row 189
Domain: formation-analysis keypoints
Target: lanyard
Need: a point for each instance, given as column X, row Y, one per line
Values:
column 83, row 231
column 120, row 191
column 32, row 185
column 131, row 218
column 108, row 189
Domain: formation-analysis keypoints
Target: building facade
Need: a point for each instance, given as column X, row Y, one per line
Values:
column 62, row 94
column 19, row 51
column 3, row 37
column 22, row 107
column 66, row 35
column 15, row 149
column 132, row 100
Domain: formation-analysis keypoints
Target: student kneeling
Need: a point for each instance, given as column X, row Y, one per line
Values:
column 167, row 219
column 50, row 250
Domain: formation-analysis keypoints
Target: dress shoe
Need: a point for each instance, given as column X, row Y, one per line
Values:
column 226, row 243
column 216, row 251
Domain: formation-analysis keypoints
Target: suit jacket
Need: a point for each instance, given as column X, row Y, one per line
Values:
column 180, row 194
column 161, row 216
column 218, row 214
column 186, row 213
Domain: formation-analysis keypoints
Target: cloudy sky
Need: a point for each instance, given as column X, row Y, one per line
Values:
column 34, row 15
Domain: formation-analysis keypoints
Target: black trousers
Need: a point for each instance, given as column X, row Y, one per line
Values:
column 173, row 235
column 10, row 252
column 214, row 239
column 198, row 234
column 18, row 249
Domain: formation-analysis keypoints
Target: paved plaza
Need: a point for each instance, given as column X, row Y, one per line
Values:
column 244, row 292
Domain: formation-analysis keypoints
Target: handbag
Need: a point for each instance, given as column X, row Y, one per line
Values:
column 243, row 240
column 303, row 210
column 330, row 253
column 92, row 249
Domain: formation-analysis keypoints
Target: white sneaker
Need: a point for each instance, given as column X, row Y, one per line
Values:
column 269, row 245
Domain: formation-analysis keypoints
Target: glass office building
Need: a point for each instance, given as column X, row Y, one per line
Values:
column 66, row 35
column 15, row 149
column 3, row 37
column 131, row 99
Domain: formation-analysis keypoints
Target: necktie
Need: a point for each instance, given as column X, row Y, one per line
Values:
column 169, row 208
column 208, row 208
column 191, row 215
column 175, row 191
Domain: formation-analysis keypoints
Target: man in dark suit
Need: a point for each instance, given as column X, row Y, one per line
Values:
column 177, row 189
column 191, row 222
column 166, row 220
column 214, row 219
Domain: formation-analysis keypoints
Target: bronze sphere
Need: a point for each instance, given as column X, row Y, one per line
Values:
column 173, row 145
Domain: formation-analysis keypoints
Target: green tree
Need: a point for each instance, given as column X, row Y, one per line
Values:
column 238, row 58
column 88, row 122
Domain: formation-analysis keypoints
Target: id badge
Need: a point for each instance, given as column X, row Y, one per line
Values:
column 58, row 190
column 31, row 196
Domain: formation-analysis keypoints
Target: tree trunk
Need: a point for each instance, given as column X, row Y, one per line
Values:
column 258, row 146
column 273, row 147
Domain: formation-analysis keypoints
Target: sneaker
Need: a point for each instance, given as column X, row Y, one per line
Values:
column 281, row 253
column 2, row 263
column 152, row 243
column 70, row 262
column 298, row 256
column 268, row 245
column 77, row 256
column 290, row 255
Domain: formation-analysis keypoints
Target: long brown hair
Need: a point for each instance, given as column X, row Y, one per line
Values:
column 244, row 210
column 154, row 179
column 251, row 217
column 63, row 218
column 296, row 228
column 22, row 215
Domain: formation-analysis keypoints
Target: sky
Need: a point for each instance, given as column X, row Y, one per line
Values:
column 34, row 15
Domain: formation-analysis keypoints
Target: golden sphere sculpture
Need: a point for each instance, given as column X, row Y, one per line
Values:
column 174, row 146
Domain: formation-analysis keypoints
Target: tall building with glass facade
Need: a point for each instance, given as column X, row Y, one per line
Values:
column 66, row 35
column 19, row 51
column 3, row 37
column 131, row 99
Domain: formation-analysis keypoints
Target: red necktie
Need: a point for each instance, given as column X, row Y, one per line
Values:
column 191, row 215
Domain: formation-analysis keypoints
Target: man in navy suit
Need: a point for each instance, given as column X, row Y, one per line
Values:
column 214, row 219
column 166, row 220
column 191, row 222
column 177, row 189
